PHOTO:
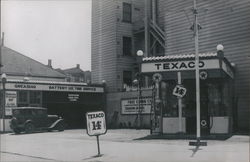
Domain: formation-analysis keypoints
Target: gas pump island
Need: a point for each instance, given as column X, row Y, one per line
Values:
column 174, row 93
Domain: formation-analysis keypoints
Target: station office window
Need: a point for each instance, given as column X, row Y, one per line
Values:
column 127, row 13
column 127, row 46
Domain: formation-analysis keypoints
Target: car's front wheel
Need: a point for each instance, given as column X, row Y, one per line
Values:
column 29, row 128
column 60, row 127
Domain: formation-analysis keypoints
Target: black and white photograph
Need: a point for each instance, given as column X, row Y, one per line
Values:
column 125, row 81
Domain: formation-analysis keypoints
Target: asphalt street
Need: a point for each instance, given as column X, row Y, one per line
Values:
column 117, row 146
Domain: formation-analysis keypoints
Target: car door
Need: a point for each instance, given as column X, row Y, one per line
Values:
column 42, row 118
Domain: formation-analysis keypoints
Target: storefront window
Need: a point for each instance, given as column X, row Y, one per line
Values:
column 23, row 97
column 35, row 97
column 29, row 98
column 218, row 96
column 170, row 104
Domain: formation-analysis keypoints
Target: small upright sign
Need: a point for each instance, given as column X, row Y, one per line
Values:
column 96, row 124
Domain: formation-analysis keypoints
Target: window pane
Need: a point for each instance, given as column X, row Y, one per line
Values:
column 127, row 46
column 127, row 16
column 22, row 96
column 35, row 97
column 127, row 78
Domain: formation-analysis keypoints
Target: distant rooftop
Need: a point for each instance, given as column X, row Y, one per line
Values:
column 15, row 63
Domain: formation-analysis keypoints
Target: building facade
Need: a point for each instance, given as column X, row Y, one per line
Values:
column 112, row 41
column 29, row 83
column 163, row 28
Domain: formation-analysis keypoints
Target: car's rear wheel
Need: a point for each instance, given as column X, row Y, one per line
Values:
column 60, row 127
column 29, row 128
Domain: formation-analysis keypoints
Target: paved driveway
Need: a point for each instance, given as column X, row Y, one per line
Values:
column 116, row 146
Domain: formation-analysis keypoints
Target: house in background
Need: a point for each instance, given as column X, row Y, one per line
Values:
column 76, row 74
column 17, row 66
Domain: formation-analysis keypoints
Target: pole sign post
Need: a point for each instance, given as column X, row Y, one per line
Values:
column 96, row 125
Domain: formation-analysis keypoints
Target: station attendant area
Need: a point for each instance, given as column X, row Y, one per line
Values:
column 174, row 99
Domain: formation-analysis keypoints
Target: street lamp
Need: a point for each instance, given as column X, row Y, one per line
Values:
column 137, row 82
column 220, row 51
column 220, row 47
column 139, row 53
column 4, row 80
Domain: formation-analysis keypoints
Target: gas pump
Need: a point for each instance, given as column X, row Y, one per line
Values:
column 156, row 127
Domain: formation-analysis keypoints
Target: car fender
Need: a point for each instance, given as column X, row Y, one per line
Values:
column 53, row 125
column 27, row 121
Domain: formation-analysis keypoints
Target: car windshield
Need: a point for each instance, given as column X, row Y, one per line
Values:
column 28, row 112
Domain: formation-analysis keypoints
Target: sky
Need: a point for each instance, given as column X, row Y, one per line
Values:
column 49, row 29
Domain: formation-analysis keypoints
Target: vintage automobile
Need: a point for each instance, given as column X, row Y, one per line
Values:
column 30, row 119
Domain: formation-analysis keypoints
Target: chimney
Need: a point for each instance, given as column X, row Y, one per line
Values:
column 78, row 66
column 50, row 63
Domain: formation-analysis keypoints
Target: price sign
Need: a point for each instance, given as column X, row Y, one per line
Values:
column 179, row 91
column 96, row 124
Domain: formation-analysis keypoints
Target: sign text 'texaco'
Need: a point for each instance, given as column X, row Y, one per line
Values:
column 178, row 65
column 92, row 116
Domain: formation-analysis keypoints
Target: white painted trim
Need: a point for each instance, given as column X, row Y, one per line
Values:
column 7, row 125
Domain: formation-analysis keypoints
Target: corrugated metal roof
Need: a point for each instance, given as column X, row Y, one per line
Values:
column 178, row 57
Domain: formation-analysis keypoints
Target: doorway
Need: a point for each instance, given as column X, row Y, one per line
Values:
column 190, row 100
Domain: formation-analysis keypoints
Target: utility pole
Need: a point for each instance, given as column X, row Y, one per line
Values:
column 146, row 32
column 196, row 28
column 1, row 46
column 197, row 78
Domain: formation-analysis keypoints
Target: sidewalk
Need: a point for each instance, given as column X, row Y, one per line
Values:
column 121, row 145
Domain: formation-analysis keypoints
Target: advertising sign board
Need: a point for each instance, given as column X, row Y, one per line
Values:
column 96, row 124
column 179, row 65
column 53, row 87
column 130, row 106
column 10, row 101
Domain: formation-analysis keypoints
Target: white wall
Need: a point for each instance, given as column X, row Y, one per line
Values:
column 171, row 125
column 220, row 125
column 7, row 125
